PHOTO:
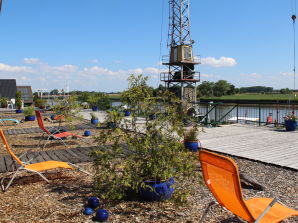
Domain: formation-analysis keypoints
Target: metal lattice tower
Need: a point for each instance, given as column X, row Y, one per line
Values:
column 181, row 76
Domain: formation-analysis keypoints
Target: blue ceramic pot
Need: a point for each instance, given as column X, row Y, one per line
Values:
column 127, row 113
column 102, row 215
column 30, row 118
column 19, row 111
column 94, row 108
column 157, row 191
column 94, row 121
column 87, row 133
column 290, row 125
column 192, row 146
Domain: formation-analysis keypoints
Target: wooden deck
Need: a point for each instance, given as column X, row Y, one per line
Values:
column 264, row 144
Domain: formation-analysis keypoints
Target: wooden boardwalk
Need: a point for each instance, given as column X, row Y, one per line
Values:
column 264, row 144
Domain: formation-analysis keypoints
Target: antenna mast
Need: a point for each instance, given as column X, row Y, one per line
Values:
column 181, row 76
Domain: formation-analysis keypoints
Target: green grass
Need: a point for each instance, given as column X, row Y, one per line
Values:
column 114, row 97
column 270, row 97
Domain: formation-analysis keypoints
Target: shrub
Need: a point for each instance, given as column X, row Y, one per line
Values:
column 29, row 111
column 19, row 100
column 134, row 156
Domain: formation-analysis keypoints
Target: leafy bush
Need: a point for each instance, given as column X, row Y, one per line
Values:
column 191, row 135
column 19, row 100
column 29, row 111
column 40, row 103
column 68, row 108
column 93, row 116
column 134, row 156
column 3, row 102
column 99, row 99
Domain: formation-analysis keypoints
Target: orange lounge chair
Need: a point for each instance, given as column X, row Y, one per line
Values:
column 221, row 176
column 53, row 133
column 37, row 168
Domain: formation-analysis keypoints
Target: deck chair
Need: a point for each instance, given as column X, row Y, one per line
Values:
column 53, row 133
column 222, row 178
column 37, row 168
column 3, row 120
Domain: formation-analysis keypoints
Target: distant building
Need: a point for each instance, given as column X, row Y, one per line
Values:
column 8, row 89
column 26, row 94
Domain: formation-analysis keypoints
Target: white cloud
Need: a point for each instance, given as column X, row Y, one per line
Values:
column 221, row 62
column 15, row 69
column 287, row 74
column 31, row 61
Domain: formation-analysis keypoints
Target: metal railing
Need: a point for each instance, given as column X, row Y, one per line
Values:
column 260, row 113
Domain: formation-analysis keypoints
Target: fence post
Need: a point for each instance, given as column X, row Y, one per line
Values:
column 260, row 114
column 237, row 113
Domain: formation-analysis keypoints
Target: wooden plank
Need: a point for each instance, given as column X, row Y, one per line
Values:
column 60, row 155
column 9, row 163
column 45, row 156
column 75, row 157
column 2, row 165
column 52, row 155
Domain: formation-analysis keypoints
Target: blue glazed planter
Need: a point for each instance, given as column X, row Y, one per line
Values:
column 94, row 108
column 157, row 191
column 30, row 118
column 94, row 121
column 87, row 133
column 19, row 111
column 127, row 113
column 290, row 125
column 192, row 146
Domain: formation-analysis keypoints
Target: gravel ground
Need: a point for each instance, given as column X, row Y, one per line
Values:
column 30, row 199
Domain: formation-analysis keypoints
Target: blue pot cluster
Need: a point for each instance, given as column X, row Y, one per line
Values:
column 157, row 191
column 19, row 111
column 101, row 215
column 290, row 125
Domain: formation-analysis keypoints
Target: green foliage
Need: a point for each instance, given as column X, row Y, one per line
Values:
column 3, row 102
column 19, row 100
column 69, row 108
column 291, row 117
column 98, row 99
column 29, row 111
column 151, row 151
column 39, row 102
column 191, row 135
column 93, row 116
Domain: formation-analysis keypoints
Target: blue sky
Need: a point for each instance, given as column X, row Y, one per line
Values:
column 95, row 45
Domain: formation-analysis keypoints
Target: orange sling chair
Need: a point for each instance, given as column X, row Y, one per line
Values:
column 32, row 167
column 222, row 178
column 56, row 134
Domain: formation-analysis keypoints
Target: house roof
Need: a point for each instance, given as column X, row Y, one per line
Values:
column 8, row 88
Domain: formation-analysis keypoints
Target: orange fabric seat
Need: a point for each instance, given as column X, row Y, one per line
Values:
column 47, row 165
column 221, row 176
column 55, row 134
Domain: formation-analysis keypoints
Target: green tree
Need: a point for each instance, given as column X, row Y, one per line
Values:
column 221, row 88
column 206, row 88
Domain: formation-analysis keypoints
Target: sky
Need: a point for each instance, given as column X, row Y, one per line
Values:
column 95, row 45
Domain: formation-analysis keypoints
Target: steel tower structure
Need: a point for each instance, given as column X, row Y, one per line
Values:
column 181, row 76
